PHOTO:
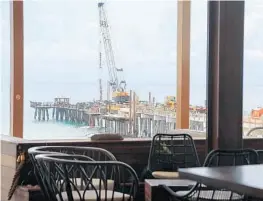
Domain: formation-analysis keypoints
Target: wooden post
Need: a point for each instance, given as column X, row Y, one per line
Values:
column 183, row 63
column 17, row 68
column 225, row 74
column 108, row 98
column 150, row 99
column 212, row 74
column 130, row 114
column 134, row 115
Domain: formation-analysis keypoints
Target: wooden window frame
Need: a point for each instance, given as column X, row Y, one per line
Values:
column 17, row 68
column 183, row 75
column 183, row 63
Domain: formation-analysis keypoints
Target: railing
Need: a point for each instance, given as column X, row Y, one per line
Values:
column 253, row 130
column 61, row 105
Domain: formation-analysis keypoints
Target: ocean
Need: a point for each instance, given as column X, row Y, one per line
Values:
column 51, row 129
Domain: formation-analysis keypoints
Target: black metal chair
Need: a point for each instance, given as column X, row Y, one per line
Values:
column 214, row 159
column 91, row 153
column 169, row 152
column 260, row 156
column 257, row 130
column 60, row 171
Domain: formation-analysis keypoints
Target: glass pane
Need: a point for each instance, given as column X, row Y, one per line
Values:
column 253, row 71
column 198, row 66
column 64, row 58
column 5, row 67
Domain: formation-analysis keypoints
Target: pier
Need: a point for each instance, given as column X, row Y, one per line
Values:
column 141, row 120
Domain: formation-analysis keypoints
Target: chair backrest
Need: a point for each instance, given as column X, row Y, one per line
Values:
column 100, row 180
column 93, row 153
column 172, row 151
column 96, row 153
column 260, row 156
column 231, row 157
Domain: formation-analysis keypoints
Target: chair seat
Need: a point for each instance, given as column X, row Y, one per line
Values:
column 208, row 195
column 80, row 184
column 96, row 183
column 165, row 175
column 91, row 195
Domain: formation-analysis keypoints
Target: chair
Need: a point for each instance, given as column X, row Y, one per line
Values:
column 61, row 171
column 260, row 156
column 96, row 153
column 91, row 153
column 214, row 159
column 169, row 152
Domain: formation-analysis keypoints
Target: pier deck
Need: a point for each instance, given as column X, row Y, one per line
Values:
column 146, row 122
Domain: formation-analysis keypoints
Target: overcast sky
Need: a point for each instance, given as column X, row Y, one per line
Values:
column 61, row 46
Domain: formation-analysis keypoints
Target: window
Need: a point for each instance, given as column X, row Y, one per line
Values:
column 253, row 54
column 64, row 76
column 5, row 67
column 198, row 65
column 253, row 60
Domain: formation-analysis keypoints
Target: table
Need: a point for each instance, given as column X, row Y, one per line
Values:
column 247, row 179
column 153, row 192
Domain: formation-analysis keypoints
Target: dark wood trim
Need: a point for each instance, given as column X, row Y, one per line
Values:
column 231, row 74
column 225, row 74
column 212, row 73
column 132, row 152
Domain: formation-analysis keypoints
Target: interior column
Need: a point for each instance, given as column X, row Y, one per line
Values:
column 225, row 74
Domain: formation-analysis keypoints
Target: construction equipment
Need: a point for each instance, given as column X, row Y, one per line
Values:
column 257, row 113
column 170, row 102
column 117, row 84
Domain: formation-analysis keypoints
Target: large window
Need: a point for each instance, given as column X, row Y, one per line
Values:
column 68, row 86
column 5, row 67
column 253, row 71
column 75, row 78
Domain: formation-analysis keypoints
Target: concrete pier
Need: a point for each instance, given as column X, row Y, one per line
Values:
column 140, row 121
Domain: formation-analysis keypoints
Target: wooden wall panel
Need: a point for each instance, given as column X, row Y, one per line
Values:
column 132, row 152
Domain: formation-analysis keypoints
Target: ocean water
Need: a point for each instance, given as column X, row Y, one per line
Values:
column 34, row 129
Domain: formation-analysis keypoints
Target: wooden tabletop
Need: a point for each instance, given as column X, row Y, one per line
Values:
column 247, row 179
column 169, row 182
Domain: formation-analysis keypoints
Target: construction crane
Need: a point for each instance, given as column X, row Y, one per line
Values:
column 117, row 84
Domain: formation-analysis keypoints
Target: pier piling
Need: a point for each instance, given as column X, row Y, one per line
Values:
column 134, row 119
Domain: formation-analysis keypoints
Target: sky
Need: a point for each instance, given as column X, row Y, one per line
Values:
column 62, row 44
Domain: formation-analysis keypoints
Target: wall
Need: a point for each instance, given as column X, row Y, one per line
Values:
column 134, row 152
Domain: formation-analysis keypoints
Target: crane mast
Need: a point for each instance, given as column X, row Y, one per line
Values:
column 100, row 69
column 117, row 84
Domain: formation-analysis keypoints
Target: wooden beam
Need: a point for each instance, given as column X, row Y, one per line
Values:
column 225, row 74
column 17, row 67
column 183, row 63
column 212, row 74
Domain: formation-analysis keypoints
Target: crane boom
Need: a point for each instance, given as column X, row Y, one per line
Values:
column 117, row 84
